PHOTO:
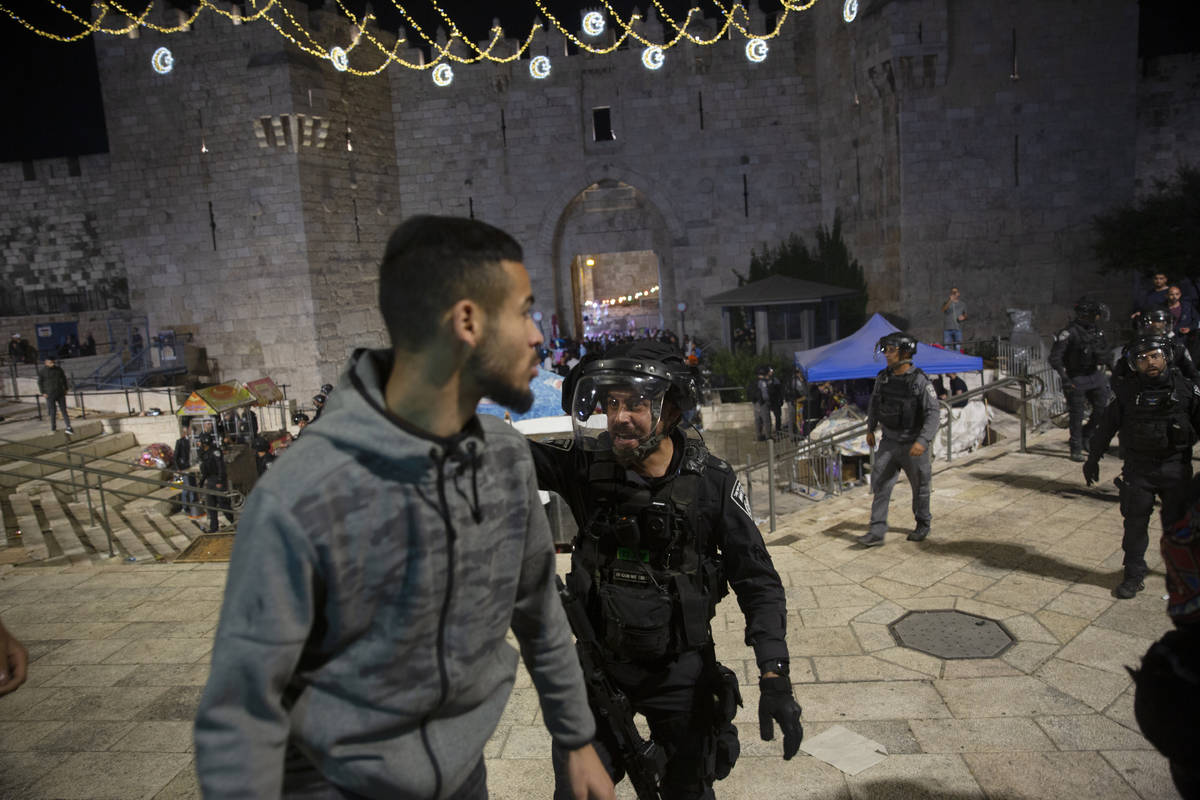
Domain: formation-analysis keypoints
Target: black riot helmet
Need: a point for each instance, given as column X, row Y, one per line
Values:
column 326, row 388
column 1090, row 311
column 318, row 400
column 1142, row 350
column 635, row 378
column 299, row 417
column 1156, row 321
column 207, row 440
column 905, row 344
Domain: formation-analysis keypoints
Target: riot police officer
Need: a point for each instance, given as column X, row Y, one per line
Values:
column 664, row 528
column 213, row 476
column 1078, row 356
column 903, row 403
column 1157, row 412
column 1157, row 322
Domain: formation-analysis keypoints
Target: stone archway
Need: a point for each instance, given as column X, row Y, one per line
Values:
column 624, row 235
column 621, row 227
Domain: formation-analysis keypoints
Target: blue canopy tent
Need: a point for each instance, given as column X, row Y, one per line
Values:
column 854, row 356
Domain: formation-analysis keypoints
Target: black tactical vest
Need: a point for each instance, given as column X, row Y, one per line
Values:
column 1155, row 420
column 899, row 405
column 655, row 579
column 1086, row 349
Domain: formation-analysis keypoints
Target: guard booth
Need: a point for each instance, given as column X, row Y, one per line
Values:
column 209, row 410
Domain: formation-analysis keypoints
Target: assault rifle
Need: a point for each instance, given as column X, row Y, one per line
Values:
column 644, row 761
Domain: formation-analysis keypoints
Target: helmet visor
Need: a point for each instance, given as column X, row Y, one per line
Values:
column 1147, row 360
column 615, row 410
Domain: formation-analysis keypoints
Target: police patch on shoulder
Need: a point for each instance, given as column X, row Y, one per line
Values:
column 739, row 498
column 929, row 390
column 1063, row 335
column 559, row 444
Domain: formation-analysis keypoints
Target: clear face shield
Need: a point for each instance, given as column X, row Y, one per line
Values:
column 618, row 412
column 1151, row 362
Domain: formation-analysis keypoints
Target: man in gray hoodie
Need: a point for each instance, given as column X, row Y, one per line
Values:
column 380, row 562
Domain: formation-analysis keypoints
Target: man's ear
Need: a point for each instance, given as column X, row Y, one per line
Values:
column 466, row 320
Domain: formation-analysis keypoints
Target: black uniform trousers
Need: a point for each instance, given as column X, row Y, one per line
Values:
column 1143, row 478
column 673, row 699
column 215, row 503
column 1088, row 389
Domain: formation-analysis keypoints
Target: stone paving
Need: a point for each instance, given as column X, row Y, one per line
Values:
column 120, row 655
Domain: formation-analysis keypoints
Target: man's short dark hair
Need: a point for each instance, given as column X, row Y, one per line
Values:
column 431, row 263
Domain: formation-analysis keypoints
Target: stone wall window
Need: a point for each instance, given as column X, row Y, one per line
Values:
column 602, row 124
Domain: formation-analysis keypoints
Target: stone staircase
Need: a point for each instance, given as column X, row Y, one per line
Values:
column 44, row 519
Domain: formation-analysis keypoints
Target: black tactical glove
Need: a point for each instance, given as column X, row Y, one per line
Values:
column 1091, row 471
column 776, row 703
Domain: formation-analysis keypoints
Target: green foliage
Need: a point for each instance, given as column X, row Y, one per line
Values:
column 1155, row 234
column 829, row 263
column 736, row 368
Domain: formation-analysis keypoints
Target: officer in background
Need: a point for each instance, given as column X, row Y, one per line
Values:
column 760, row 395
column 1157, row 322
column 1078, row 356
column 1157, row 412
column 903, row 403
column 213, row 476
column 663, row 525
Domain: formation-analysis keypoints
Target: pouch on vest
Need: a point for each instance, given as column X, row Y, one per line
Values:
column 637, row 620
column 727, row 697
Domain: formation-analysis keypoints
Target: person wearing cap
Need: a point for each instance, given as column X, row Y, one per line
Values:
column 213, row 475
column 1078, row 355
column 16, row 349
column 52, row 385
column 665, row 530
column 1157, row 413
column 904, row 404
column 319, row 405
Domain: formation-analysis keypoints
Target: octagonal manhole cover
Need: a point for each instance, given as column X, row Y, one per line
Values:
column 951, row 634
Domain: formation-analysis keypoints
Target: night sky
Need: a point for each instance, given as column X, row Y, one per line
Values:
column 55, row 94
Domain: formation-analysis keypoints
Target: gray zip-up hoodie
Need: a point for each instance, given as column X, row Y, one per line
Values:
column 376, row 572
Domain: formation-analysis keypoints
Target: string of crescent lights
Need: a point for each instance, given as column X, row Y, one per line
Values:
column 441, row 54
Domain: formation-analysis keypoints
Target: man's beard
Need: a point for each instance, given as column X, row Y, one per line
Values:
column 490, row 369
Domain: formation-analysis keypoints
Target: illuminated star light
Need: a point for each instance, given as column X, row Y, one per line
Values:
column 539, row 67
column 340, row 61
column 850, row 10
column 756, row 50
column 443, row 74
column 652, row 57
column 593, row 23
column 162, row 61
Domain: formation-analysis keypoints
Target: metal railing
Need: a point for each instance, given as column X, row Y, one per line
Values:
column 1033, row 361
column 61, row 458
column 819, row 461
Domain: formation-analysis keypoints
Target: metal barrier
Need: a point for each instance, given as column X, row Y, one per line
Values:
column 820, row 462
column 217, row 498
column 1033, row 361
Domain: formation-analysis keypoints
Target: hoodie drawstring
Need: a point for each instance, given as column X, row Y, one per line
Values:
column 476, row 511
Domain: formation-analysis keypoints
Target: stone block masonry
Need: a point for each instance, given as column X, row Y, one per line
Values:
column 248, row 194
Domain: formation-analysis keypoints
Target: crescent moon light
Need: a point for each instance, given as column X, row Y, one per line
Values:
column 539, row 67
column 850, row 10
column 443, row 74
column 162, row 61
column 652, row 57
column 339, row 59
column 593, row 23
column 756, row 50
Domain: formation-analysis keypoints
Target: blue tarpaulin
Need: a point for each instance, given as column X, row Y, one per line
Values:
column 854, row 356
column 547, row 399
